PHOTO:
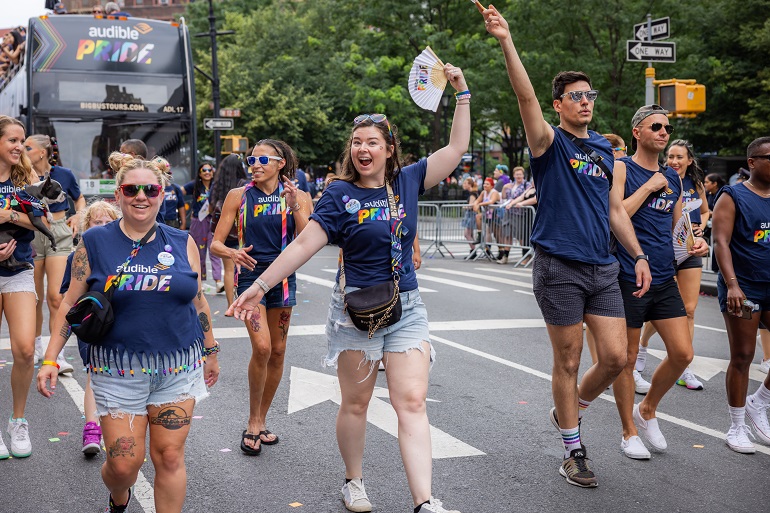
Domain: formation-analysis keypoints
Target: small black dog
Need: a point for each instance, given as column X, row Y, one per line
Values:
column 38, row 195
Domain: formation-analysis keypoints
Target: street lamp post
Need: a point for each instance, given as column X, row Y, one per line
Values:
column 444, row 108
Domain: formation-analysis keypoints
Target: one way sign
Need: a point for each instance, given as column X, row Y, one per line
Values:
column 660, row 28
column 637, row 51
column 218, row 123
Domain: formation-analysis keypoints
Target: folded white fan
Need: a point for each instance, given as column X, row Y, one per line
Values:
column 683, row 238
column 427, row 80
column 692, row 206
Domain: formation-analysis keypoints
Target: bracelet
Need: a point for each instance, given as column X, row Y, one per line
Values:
column 460, row 93
column 466, row 96
column 733, row 279
column 295, row 208
column 208, row 351
column 52, row 364
column 264, row 286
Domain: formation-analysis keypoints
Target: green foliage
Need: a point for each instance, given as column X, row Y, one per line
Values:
column 300, row 70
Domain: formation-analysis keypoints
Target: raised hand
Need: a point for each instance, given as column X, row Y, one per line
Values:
column 495, row 23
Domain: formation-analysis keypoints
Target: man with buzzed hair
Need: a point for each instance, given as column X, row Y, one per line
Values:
column 135, row 147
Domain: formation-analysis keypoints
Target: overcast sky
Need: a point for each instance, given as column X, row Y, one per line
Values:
column 18, row 12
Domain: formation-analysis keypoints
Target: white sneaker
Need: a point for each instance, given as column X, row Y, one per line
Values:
column 634, row 448
column 738, row 439
column 64, row 365
column 354, row 496
column 435, row 506
column 756, row 414
column 641, row 358
column 382, row 365
column 39, row 349
column 18, row 430
column 764, row 367
column 649, row 430
column 689, row 380
column 4, row 454
column 641, row 385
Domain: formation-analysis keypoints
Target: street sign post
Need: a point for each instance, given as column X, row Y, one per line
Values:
column 218, row 123
column 638, row 51
column 660, row 28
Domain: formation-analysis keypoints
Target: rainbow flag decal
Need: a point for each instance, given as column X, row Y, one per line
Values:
column 49, row 46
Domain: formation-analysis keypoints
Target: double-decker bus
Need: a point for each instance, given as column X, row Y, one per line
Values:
column 94, row 82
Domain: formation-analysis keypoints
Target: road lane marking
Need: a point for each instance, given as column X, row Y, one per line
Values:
column 327, row 282
column 523, row 274
column 478, row 288
column 143, row 492
column 534, row 372
column 477, row 276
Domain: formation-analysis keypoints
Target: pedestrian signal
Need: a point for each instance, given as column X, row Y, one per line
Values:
column 234, row 144
column 682, row 98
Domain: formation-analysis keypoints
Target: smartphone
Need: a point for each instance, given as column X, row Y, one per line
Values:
column 747, row 309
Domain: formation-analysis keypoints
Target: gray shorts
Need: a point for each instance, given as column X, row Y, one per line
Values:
column 63, row 235
column 566, row 290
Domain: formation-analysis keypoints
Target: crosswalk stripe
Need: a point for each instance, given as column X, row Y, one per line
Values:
column 478, row 276
column 497, row 270
column 420, row 288
column 462, row 285
column 317, row 281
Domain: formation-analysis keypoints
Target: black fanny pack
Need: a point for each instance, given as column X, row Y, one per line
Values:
column 91, row 318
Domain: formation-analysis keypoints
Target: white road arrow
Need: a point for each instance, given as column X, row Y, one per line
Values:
column 308, row 388
column 706, row 367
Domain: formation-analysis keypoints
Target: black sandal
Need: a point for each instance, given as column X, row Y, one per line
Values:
column 250, row 450
column 268, row 433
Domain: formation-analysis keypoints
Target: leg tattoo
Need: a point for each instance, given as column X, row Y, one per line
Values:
column 123, row 446
column 171, row 417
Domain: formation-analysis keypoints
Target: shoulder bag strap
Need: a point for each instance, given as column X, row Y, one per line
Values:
column 595, row 157
column 137, row 246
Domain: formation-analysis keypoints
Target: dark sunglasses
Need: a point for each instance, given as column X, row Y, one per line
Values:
column 762, row 157
column 150, row 190
column 655, row 127
column 207, row 170
column 576, row 96
column 262, row 159
column 376, row 118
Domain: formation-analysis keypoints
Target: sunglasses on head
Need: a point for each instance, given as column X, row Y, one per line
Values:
column 151, row 190
column 376, row 118
column 262, row 159
column 576, row 96
column 655, row 127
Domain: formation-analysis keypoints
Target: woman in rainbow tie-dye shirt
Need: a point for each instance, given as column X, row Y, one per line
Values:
column 200, row 224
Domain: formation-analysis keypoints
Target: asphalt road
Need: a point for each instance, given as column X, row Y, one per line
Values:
column 489, row 400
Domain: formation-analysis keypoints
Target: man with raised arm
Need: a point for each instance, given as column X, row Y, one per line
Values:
column 574, row 277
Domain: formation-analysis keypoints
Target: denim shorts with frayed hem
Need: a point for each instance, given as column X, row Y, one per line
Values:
column 19, row 282
column 407, row 334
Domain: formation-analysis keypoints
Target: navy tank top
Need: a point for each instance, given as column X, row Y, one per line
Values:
column 653, row 224
column 690, row 193
column 573, row 220
column 155, row 318
column 750, row 243
column 263, row 224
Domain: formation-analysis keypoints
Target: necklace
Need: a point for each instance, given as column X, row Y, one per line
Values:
column 359, row 184
column 765, row 194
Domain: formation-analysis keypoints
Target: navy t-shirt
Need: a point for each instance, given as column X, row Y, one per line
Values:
column 173, row 200
column 262, row 228
column 690, row 193
column 301, row 181
column 572, row 220
column 750, row 243
column 154, row 314
column 23, row 252
column 653, row 224
column 69, row 184
column 198, row 201
column 358, row 220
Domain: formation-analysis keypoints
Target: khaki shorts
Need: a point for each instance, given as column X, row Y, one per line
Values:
column 63, row 235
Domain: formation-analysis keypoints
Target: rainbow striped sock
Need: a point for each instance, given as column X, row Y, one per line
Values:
column 582, row 407
column 571, row 439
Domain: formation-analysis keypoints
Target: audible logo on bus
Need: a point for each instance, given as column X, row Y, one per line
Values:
column 116, row 47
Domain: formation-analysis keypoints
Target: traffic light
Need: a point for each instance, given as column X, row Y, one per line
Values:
column 682, row 98
column 234, row 144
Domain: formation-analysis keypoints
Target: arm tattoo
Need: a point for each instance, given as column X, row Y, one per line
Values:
column 80, row 262
column 171, row 417
column 283, row 324
column 66, row 331
column 123, row 446
column 204, row 320
column 200, row 293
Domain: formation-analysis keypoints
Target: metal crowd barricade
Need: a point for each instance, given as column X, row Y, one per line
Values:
column 428, row 223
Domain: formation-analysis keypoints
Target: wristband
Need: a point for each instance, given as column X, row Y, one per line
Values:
column 459, row 93
column 52, row 364
column 208, row 351
column 264, row 286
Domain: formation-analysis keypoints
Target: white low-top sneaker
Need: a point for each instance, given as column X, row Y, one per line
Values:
column 435, row 506
column 354, row 496
column 18, row 430
column 4, row 454
column 689, row 380
column 756, row 414
column 634, row 448
column 641, row 385
column 650, row 431
column 764, row 367
column 738, row 439
column 64, row 365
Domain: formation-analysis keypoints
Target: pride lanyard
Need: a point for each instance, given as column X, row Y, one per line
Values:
column 284, row 232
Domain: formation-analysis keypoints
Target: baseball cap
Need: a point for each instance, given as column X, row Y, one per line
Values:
column 642, row 114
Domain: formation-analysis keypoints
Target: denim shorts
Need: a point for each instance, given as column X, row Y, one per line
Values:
column 407, row 334
column 126, row 394
column 274, row 298
column 62, row 233
column 758, row 293
column 19, row 282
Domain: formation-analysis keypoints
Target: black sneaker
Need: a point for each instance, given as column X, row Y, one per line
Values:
column 576, row 470
column 114, row 508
